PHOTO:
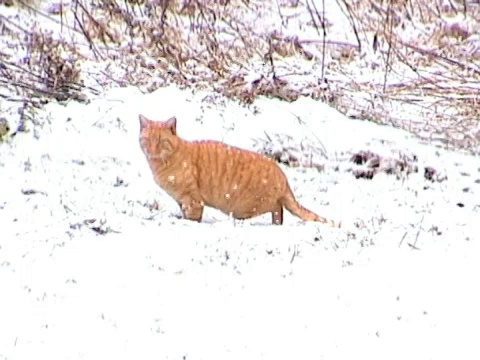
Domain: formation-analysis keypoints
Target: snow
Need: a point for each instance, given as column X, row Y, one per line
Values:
column 90, row 269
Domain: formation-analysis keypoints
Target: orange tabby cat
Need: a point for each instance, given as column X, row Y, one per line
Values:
column 210, row 173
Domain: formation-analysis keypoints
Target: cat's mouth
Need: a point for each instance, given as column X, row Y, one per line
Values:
column 157, row 156
column 150, row 156
column 154, row 157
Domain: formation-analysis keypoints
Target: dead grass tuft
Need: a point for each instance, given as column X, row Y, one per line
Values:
column 58, row 71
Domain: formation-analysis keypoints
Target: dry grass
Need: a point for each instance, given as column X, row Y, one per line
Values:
column 429, row 54
column 422, row 58
column 21, row 3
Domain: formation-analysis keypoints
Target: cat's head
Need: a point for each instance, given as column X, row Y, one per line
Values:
column 158, row 139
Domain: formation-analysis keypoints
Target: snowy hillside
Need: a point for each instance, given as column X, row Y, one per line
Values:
column 95, row 262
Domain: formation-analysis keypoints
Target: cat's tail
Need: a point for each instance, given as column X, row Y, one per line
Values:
column 292, row 205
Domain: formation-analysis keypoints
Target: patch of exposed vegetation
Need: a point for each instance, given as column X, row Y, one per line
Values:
column 415, row 65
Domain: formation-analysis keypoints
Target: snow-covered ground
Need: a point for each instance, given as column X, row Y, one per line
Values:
column 96, row 264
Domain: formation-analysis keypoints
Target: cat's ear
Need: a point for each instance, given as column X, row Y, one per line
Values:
column 172, row 125
column 143, row 121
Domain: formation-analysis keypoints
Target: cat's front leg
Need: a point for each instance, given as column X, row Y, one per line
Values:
column 192, row 209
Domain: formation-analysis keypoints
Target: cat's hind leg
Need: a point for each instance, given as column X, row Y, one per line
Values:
column 277, row 215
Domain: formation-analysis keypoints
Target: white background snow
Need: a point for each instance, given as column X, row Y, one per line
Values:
column 88, row 270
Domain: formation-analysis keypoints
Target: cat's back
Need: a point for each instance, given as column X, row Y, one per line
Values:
column 218, row 157
column 227, row 174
